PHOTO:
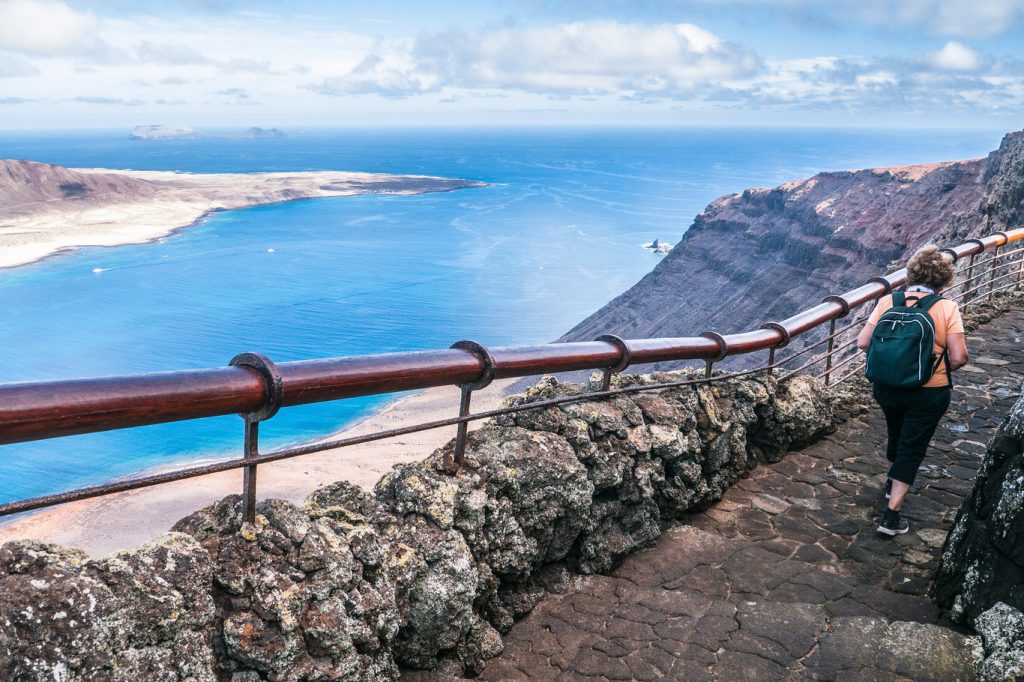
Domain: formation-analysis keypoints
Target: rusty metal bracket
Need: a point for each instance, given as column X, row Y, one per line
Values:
column 627, row 357
column 273, row 386
column 487, row 376
column 454, row 463
column 883, row 281
column 273, row 390
column 843, row 303
column 780, row 329
column 723, row 350
column 786, row 338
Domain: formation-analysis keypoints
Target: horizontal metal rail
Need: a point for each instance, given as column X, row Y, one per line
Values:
column 256, row 388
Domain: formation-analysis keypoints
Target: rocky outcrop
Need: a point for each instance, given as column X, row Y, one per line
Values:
column 1002, row 630
column 980, row 577
column 427, row 571
column 764, row 254
column 983, row 558
column 144, row 615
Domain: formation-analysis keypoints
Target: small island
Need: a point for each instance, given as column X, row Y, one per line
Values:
column 163, row 132
column 658, row 246
column 262, row 133
column 48, row 208
column 173, row 132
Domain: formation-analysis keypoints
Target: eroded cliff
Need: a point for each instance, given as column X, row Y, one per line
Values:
column 765, row 254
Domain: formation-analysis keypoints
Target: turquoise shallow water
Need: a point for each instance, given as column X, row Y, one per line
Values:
column 521, row 261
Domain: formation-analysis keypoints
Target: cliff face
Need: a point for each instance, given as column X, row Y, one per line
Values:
column 25, row 186
column 765, row 254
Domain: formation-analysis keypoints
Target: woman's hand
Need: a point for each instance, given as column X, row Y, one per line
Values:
column 864, row 338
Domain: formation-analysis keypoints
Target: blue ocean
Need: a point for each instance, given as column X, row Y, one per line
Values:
column 556, row 234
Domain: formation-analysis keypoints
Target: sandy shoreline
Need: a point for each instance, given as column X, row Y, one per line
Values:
column 127, row 520
column 46, row 209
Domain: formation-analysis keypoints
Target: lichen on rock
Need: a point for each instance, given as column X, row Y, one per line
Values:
column 143, row 615
column 1002, row 630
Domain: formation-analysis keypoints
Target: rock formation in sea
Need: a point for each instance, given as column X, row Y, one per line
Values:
column 262, row 133
column 423, row 573
column 981, row 574
column 765, row 254
column 163, row 132
column 172, row 132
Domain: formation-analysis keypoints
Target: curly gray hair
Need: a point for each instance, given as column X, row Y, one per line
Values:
column 928, row 267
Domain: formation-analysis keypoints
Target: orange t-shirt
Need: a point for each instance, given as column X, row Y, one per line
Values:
column 945, row 316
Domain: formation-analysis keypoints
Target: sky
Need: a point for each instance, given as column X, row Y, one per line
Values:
column 79, row 64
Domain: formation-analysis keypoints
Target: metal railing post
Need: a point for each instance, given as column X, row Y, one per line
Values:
column 461, row 431
column 992, row 267
column 454, row 463
column 831, row 346
column 845, row 306
column 969, row 283
column 1020, row 268
column 273, row 388
column 250, row 451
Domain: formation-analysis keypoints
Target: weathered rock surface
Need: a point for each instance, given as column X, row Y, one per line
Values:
column 983, row 558
column 1002, row 629
column 763, row 254
column 144, row 615
column 424, row 573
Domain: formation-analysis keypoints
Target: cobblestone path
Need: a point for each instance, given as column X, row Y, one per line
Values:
column 785, row 578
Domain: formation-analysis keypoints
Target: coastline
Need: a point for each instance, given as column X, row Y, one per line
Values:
column 98, row 526
column 151, row 205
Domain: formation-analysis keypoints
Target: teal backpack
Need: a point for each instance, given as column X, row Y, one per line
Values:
column 902, row 343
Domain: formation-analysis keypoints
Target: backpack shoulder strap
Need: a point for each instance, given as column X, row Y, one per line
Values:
column 899, row 298
column 928, row 301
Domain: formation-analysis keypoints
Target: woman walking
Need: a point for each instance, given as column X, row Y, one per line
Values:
column 913, row 391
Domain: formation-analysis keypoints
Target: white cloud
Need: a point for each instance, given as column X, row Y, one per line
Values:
column 956, row 56
column 168, row 54
column 44, row 27
column 90, row 99
column 12, row 67
column 593, row 57
column 962, row 18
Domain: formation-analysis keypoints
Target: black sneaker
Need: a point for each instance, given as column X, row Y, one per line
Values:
column 888, row 488
column 892, row 524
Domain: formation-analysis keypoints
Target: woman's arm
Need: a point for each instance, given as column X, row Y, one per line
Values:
column 864, row 338
column 956, row 346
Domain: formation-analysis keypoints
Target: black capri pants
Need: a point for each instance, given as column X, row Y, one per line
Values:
column 911, row 415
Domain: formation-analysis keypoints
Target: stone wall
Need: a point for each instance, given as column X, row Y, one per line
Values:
column 425, row 572
column 980, row 577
